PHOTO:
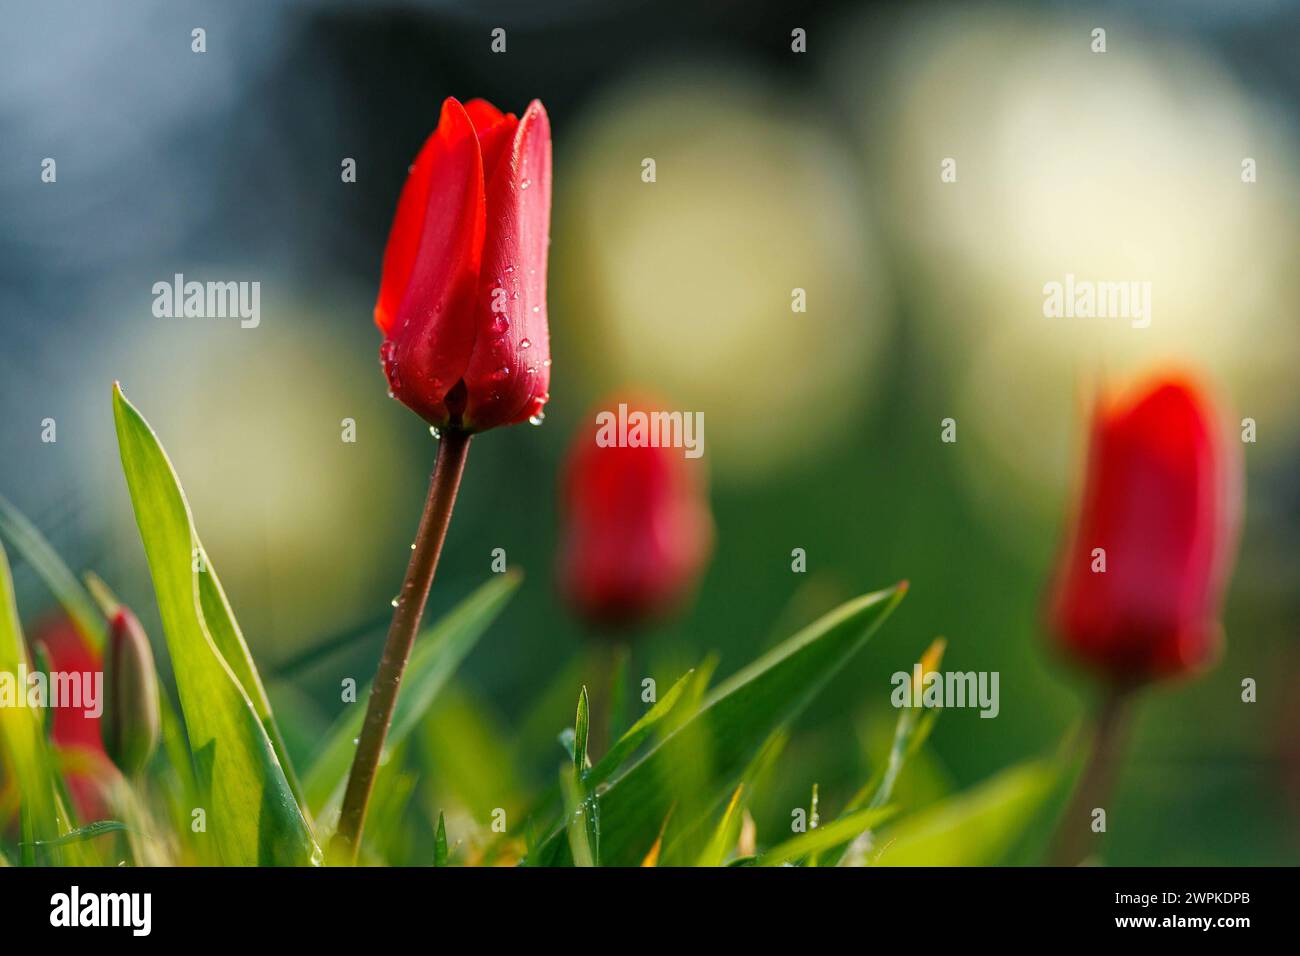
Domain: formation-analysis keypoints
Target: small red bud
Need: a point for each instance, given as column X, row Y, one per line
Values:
column 131, row 719
column 637, row 529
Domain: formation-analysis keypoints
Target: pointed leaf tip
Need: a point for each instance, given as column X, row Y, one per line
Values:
column 581, row 729
column 440, row 852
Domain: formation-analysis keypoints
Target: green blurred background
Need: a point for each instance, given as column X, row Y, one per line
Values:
column 775, row 171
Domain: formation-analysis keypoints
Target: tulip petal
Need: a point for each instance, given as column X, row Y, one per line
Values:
column 509, row 371
column 431, row 267
column 495, row 131
column 483, row 114
column 495, row 143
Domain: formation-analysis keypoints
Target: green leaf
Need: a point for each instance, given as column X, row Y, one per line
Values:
column 88, row 832
column 583, row 810
column 225, row 633
column 63, row 584
column 578, row 824
column 581, row 728
column 910, row 734
column 664, row 714
column 22, row 734
column 978, row 827
column 438, row 653
column 252, row 815
column 845, row 829
column 639, row 732
column 697, row 765
column 440, row 842
column 727, row 834
column 176, row 746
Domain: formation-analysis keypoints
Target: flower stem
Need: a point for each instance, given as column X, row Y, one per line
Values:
column 452, row 450
column 610, row 659
column 1075, row 839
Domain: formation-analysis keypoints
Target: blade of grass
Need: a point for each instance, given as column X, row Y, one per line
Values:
column 88, row 832
column 730, row 726
column 639, row 732
column 22, row 735
column 440, row 842
column 846, row 828
column 581, row 728
column 725, row 838
column 910, row 734
column 576, row 825
column 978, row 827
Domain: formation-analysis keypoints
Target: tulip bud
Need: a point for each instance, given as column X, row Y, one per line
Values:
column 1139, row 588
column 636, row 530
column 462, row 302
column 131, row 720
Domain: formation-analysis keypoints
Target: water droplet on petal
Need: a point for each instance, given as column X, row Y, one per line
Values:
column 537, row 419
column 394, row 602
column 433, row 430
column 525, row 343
column 501, row 374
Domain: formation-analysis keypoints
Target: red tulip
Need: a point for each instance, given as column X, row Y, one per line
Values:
column 1161, row 500
column 89, row 770
column 636, row 530
column 462, row 302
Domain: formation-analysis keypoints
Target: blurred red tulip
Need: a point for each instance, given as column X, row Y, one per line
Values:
column 72, row 730
column 636, row 529
column 1139, row 587
column 462, row 302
